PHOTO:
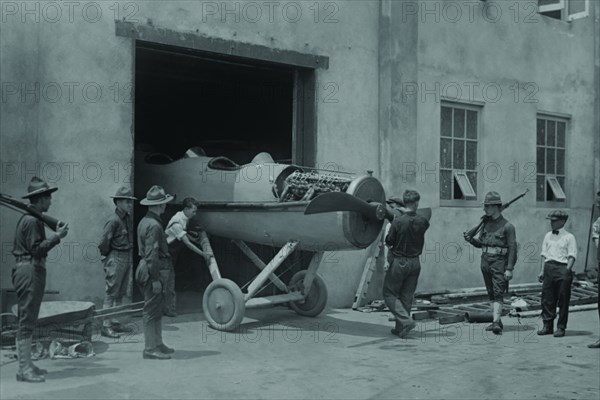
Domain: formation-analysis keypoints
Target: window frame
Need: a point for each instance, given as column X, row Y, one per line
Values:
column 551, row 178
column 458, row 173
column 564, row 6
column 551, row 7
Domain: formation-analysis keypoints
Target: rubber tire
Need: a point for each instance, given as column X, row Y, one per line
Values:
column 230, row 293
column 316, row 300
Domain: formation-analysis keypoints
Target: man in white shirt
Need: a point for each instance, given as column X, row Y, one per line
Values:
column 177, row 238
column 559, row 251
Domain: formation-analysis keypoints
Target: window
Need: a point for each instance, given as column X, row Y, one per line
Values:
column 551, row 147
column 458, row 152
column 567, row 10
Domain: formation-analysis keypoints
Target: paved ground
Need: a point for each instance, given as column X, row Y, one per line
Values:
column 342, row 354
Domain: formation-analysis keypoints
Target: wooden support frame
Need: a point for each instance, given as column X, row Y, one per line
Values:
column 262, row 277
column 260, row 265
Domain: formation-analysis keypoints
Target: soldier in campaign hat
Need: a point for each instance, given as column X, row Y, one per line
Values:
column 499, row 252
column 559, row 251
column 116, row 251
column 153, row 271
column 31, row 246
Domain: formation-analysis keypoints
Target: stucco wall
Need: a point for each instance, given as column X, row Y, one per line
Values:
column 82, row 140
column 481, row 57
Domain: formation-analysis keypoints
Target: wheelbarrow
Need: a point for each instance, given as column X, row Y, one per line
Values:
column 59, row 318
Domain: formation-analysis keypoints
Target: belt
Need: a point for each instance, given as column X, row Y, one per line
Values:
column 556, row 263
column 494, row 250
column 405, row 256
column 22, row 258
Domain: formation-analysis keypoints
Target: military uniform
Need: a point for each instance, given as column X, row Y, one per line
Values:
column 497, row 242
column 30, row 249
column 116, row 247
column 152, row 272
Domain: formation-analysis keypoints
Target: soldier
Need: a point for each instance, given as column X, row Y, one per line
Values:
column 499, row 253
column 153, row 271
column 406, row 239
column 29, row 274
column 116, row 247
column 596, row 239
column 177, row 238
column 559, row 251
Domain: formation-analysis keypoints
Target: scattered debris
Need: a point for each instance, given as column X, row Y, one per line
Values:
column 472, row 304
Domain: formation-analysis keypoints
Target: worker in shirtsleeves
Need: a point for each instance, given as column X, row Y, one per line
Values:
column 178, row 239
column 559, row 251
column 497, row 241
column 405, row 238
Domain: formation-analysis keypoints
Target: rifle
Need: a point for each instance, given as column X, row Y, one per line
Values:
column 21, row 207
column 475, row 230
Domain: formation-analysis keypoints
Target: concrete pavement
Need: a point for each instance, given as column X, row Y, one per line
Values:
column 342, row 354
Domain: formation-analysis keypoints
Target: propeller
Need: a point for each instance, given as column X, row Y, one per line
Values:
column 339, row 201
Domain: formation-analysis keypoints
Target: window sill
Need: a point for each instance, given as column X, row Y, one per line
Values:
column 552, row 204
column 461, row 203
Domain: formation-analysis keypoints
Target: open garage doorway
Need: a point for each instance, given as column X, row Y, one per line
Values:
column 222, row 106
column 228, row 108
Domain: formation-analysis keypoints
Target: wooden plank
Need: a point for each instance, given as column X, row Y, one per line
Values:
column 582, row 293
column 451, row 319
column 370, row 265
column 420, row 315
column 469, row 309
column 592, row 291
column 273, row 300
column 110, row 310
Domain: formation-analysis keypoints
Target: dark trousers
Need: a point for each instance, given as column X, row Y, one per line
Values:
column 168, row 277
column 492, row 268
column 29, row 282
column 117, row 278
column 399, row 288
column 152, row 316
column 556, row 290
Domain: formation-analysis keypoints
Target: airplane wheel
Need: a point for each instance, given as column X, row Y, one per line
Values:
column 315, row 301
column 224, row 305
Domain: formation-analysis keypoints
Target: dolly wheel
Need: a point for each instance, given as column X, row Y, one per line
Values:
column 315, row 301
column 224, row 305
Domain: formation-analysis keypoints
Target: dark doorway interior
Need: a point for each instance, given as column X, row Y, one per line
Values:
column 228, row 107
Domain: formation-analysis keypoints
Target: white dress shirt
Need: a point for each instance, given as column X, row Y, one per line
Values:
column 559, row 247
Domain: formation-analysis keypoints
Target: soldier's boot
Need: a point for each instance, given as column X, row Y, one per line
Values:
column 152, row 349
column 39, row 371
column 26, row 373
column 163, row 348
column 149, row 336
column 497, row 325
column 491, row 326
column 548, row 328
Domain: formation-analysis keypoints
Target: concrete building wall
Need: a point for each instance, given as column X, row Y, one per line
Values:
column 81, row 139
column 513, row 64
column 77, row 131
